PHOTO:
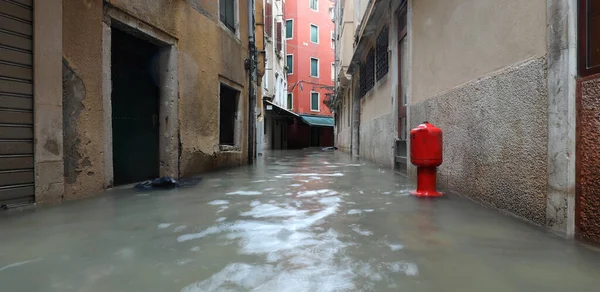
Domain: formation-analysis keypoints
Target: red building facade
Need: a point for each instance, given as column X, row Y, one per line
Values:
column 309, row 61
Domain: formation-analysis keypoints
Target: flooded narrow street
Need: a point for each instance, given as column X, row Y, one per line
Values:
column 297, row 221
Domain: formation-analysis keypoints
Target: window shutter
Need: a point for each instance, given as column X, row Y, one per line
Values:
column 269, row 19
column 279, row 38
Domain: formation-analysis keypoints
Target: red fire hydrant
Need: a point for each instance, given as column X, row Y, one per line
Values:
column 426, row 154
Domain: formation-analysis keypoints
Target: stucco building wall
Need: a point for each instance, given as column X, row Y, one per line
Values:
column 207, row 54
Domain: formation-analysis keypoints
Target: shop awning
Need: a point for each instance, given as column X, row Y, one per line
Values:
column 316, row 121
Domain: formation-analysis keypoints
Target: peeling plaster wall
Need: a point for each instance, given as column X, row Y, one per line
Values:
column 495, row 138
column 588, row 217
column 207, row 52
column 82, row 98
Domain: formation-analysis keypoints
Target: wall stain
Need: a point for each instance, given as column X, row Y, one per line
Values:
column 74, row 93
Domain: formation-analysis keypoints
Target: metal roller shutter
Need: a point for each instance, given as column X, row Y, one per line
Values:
column 16, row 103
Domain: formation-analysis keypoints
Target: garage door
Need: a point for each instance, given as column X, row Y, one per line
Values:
column 16, row 103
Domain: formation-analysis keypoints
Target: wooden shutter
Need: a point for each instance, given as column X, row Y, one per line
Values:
column 279, row 38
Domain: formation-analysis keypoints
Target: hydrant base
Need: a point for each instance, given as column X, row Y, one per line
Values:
column 418, row 193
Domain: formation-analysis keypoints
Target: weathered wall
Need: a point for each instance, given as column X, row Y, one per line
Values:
column 82, row 98
column 588, row 153
column 456, row 41
column 344, row 124
column 207, row 53
column 495, row 138
column 377, row 128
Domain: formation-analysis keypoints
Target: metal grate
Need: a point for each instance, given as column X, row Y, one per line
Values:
column 367, row 73
column 381, row 53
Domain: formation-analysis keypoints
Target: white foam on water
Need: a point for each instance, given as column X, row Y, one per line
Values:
column 354, row 212
column 357, row 229
column 315, row 178
column 388, row 203
column 368, row 210
column 409, row 269
column 395, row 246
column 218, row 202
column 332, row 166
column 255, row 203
column 179, row 228
column 268, row 189
column 313, row 174
column 387, row 193
column 295, row 185
column 326, row 192
column 221, row 219
column 269, row 210
column 164, row 225
column 14, row 265
column 203, row 233
column 259, row 181
column 183, row 262
column 245, row 193
column 195, row 249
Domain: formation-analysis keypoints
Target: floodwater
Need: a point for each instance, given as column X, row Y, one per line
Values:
column 296, row 221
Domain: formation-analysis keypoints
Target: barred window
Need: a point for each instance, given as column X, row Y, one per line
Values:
column 382, row 63
column 367, row 73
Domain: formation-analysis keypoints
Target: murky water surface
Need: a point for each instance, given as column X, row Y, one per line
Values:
column 297, row 221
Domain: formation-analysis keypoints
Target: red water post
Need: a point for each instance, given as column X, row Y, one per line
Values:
column 426, row 147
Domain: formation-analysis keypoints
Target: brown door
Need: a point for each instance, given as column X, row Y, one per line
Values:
column 16, row 103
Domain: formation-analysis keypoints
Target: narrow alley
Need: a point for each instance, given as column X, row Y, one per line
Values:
column 296, row 221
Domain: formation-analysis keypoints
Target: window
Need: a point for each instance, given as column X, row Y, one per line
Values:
column 279, row 38
column 589, row 37
column 314, row 4
column 333, row 71
column 314, row 101
column 227, row 13
column 381, row 53
column 289, row 28
column 314, row 34
column 332, row 39
column 366, row 78
column 289, row 62
column 314, row 67
column 290, row 101
column 268, row 18
column 228, row 120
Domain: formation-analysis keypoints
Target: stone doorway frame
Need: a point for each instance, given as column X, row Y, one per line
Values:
column 169, row 93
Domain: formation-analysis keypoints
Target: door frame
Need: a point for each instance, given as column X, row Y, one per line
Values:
column 168, row 90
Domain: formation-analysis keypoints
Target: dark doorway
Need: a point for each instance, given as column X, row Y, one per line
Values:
column 315, row 137
column 227, row 115
column 135, row 103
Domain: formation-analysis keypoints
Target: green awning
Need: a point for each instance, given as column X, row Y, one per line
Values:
column 316, row 121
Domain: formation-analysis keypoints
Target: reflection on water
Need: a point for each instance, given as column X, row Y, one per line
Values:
column 298, row 221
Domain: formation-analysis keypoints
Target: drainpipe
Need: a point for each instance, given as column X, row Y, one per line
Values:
column 251, row 72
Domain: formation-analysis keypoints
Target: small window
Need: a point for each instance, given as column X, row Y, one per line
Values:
column 366, row 79
column 314, row 4
column 589, row 37
column 290, row 101
column 332, row 39
column 289, row 62
column 289, row 28
column 314, row 67
column 314, row 33
column 228, row 119
column 314, row 101
column 381, row 52
column 227, row 13
column 332, row 71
